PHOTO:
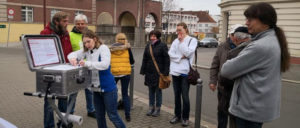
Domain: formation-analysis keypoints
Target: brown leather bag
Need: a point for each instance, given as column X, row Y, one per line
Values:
column 164, row 81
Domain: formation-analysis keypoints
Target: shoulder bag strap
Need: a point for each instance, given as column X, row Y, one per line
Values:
column 195, row 52
column 153, row 59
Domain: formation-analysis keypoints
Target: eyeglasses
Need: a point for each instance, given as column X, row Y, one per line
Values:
column 121, row 39
column 178, row 30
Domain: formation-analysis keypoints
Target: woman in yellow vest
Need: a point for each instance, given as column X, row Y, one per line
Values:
column 121, row 61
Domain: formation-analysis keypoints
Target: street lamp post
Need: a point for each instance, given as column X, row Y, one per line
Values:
column 44, row 5
column 181, row 9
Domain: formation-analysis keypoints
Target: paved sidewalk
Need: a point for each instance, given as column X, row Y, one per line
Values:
column 27, row 112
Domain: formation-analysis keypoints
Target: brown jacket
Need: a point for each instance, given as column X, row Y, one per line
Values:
column 219, row 59
column 224, row 85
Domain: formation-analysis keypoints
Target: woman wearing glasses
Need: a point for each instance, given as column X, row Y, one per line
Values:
column 182, row 54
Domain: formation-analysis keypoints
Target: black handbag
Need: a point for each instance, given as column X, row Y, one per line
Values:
column 193, row 74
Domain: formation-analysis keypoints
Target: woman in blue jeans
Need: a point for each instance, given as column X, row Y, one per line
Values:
column 160, row 53
column 96, row 57
column 121, row 61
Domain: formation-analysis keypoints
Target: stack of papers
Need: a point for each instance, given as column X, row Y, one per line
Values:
column 62, row 67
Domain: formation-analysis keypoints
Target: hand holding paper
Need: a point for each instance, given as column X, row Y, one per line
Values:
column 81, row 62
column 73, row 61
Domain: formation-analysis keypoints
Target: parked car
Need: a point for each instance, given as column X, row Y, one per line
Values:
column 208, row 42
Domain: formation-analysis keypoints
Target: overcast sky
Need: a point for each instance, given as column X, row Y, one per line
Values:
column 196, row 5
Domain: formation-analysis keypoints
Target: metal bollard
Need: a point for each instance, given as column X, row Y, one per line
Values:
column 198, row 104
column 131, row 85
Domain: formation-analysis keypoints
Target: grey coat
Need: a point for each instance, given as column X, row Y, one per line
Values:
column 256, row 70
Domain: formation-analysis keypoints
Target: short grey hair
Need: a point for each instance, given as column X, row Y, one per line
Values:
column 241, row 35
column 80, row 17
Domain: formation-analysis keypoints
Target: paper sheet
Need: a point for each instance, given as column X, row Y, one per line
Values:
column 63, row 67
column 6, row 124
column 43, row 51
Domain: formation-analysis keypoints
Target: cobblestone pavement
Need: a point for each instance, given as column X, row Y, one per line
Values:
column 27, row 112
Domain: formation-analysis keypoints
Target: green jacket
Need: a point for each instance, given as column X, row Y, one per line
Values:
column 76, row 39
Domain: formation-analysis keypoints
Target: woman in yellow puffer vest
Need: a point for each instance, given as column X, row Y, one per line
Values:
column 121, row 61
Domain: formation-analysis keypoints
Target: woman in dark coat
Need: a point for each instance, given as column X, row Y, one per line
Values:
column 160, row 52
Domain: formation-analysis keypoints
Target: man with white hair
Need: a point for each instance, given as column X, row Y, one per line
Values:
column 224, row 85
column 241, row 38
column 80, row 22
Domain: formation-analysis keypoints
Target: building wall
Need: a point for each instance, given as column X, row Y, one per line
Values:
column 288, row 12
column 174, row 18
column 17, row 29
column 155, row 8
column 139, row 9
column 70, row 6
column 206, row 27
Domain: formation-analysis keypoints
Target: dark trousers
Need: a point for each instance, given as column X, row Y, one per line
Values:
column 48, row 112
column 89, row 101
column 124, row 89
column 181, row 91
column 223, row 120
column 242, row 123
column 155, row 96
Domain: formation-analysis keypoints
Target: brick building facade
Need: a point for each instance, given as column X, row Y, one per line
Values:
column 106, row 17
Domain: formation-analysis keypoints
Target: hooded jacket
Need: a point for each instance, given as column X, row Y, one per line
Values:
column 121, row 59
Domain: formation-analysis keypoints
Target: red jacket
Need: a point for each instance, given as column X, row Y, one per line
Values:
column 65, row 41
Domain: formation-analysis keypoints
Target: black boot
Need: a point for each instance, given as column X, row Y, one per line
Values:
column 120, row 104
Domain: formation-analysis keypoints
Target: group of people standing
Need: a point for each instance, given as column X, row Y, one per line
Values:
column 176, row 62
column 110, row 64
column 246, row 70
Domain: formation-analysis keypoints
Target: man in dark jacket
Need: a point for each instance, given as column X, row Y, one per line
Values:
column 225, row 51
column 57, row 26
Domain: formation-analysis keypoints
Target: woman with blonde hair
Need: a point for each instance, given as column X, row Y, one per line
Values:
column 121, row 61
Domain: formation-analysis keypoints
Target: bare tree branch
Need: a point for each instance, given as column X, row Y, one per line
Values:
column 169, row 5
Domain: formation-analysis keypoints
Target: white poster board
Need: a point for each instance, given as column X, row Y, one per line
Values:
column 43, row 51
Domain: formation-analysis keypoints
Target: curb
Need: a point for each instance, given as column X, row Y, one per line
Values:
column 139, row 97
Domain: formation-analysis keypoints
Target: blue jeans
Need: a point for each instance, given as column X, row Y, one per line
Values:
column 124, row 88
column 181, row 90
column 155, row 93
column 88, row 98
column 48, row 112
column 242, row 123
column 107, row 102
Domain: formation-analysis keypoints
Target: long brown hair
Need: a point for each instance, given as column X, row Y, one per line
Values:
column 184, row 27
column 90, row 34
column 267, row 15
